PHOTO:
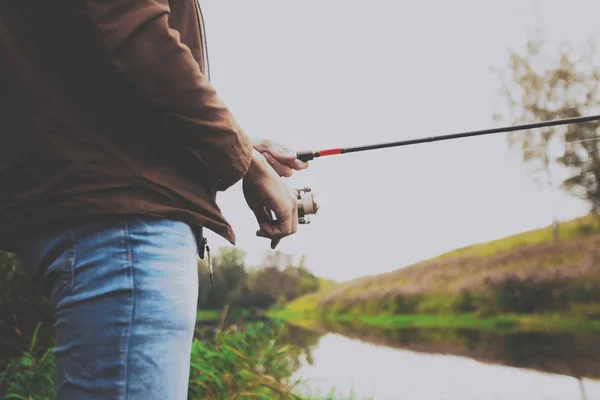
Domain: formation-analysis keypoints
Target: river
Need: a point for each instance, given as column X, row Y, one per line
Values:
column 433, row 364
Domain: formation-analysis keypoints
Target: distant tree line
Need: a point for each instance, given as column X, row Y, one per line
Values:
column 276, row 281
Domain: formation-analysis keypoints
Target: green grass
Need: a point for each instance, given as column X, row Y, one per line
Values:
column 568, row 230
column 30, row 376
column 505, row 323
column 246, row 363
column 307, row 303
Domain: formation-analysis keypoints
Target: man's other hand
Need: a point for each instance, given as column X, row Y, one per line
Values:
column 281, row 158
column 265, row 191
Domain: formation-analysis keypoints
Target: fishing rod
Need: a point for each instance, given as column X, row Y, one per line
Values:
column 307, row 204
column 309, row 155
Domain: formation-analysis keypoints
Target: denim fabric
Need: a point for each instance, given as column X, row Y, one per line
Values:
column 125, row 293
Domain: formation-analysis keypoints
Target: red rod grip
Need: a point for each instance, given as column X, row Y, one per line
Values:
column 330, row 152
column 309, row 155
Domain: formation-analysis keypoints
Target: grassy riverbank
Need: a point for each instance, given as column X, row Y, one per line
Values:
column 503, row 323
column 246, row 363
column 520, row 282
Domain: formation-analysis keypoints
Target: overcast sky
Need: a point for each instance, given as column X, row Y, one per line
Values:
column 333, row 73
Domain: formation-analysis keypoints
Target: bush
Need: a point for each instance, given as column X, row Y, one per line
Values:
column 526, row 296
column 466, row 302
column 404, row 304
column 23, row 306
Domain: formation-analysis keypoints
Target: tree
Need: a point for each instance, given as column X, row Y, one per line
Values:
column 281, row 280
column 277, row 279
column 277, row 259
column 539, row 84
column 230, row 278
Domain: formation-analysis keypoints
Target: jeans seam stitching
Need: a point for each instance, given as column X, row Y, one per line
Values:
column 72, row 259
column 129, row 255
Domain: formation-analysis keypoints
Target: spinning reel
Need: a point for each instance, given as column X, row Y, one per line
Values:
column 307, row 205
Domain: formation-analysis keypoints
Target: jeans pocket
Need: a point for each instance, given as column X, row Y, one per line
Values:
column 59, row 276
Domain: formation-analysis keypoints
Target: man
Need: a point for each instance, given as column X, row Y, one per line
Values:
column 113, row 146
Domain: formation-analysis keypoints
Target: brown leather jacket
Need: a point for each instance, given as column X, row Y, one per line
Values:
column 105, row 109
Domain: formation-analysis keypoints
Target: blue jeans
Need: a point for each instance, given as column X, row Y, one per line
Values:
column 125, row 294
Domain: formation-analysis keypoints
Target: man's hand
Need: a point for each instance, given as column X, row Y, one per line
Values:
column 265, row 191
column 282, row 159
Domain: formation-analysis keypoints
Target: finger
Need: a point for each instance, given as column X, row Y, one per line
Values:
column 281, row 169
column 277, row 229
column 275, row 232
column 268, row 214
column 265, row 222
column 277, row 150
column 269, row 229
column 274, row 243
column 286, row 221
column 263, row 215
column 262, row 234
column 289, row 158
column 299, row 165
column 282, row 153
column 261, row 145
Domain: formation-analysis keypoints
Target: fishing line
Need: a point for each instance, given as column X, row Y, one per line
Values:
column 579, row 141
column 569, row 143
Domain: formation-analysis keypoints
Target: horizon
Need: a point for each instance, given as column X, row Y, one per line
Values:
column 428, row 65
column 474, row 244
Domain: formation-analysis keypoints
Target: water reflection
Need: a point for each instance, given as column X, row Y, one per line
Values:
column 383, row 373
column 572, row 354
column 452, row 364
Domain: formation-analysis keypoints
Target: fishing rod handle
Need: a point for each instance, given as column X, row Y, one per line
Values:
column 309, row 155
column 305, row 155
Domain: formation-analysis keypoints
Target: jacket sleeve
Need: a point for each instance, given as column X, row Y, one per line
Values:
column 145, row 50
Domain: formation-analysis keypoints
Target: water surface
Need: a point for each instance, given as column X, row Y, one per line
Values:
column 444, row 364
